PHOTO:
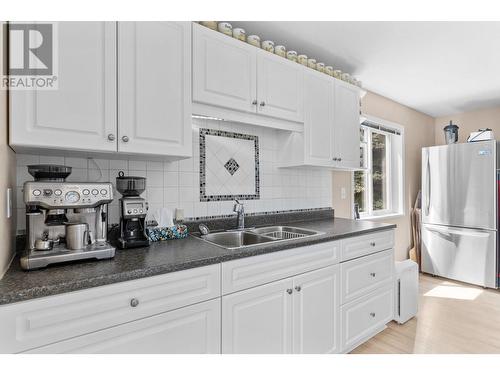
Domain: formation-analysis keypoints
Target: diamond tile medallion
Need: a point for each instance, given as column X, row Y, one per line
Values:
column 229, row 166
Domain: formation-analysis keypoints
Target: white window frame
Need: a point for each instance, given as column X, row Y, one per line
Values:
column 395, row 191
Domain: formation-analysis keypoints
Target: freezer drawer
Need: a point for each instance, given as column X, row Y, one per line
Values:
column 459, row 185
column 467, row 255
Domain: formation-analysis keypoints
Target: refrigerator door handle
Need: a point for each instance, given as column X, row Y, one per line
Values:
column 428, row 193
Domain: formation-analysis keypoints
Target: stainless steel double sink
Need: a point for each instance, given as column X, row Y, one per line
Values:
column 236, row 239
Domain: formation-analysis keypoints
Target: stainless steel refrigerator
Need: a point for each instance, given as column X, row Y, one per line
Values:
column 459, row 212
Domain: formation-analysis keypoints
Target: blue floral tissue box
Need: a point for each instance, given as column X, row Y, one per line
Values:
column 167, row 233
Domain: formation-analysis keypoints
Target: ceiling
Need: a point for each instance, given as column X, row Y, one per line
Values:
column 439, row 68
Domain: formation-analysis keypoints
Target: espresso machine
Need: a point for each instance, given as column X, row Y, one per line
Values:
column 133, row 211
column 65, row 221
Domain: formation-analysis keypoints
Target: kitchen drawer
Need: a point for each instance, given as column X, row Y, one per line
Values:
column 362, row 275
column 43, row 321
column 356, row 247
column 252, row 271
column 195, row 329
column 366, row 316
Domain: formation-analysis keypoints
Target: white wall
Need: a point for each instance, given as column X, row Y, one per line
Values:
column 176, row 184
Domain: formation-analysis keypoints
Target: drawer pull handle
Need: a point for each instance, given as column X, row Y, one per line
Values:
column 372, row 244
column 289, row 291
column 134, row 302
column 372, row 314
column 254, row 102
column 298, row 288
column 373, row 274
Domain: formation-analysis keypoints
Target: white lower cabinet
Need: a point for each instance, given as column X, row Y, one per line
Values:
column 191, row 330
column 316, row 320
column 294, row 315
column 367, row 316
column 302, row 300
column 258, row 320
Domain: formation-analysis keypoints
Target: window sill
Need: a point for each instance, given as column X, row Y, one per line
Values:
column 385, row 216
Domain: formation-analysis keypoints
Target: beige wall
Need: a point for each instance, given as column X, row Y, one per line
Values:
column 7, row 177
column 469, row 122
column 418, row 132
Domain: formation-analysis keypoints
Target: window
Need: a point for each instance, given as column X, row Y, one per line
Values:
column 378, row 188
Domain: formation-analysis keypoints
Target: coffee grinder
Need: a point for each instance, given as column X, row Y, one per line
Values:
column 133, row 211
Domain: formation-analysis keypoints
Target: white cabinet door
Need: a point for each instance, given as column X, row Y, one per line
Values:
column 318, row 118
column 346, row 129
column 190, row 330
column 224, row 70
column 279, row 87
column 154, row 81
column 316, row 303
column 258, row 320
column 81, row 112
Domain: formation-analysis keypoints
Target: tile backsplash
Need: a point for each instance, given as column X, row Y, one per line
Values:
column 177, row 184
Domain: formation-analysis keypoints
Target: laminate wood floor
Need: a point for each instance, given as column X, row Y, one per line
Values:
column 453, row 318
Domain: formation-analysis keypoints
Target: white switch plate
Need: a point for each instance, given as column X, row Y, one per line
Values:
column 343, row 194
column 9, row 203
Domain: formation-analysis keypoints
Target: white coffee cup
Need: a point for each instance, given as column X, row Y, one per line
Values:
column 254, row 40
column 346, row 77
column 291, row 55
column 329, row 70
column 280, row 50
column 240, row 34
column 268, row 45
column 210, row 24
column 302, row 59
column 225, row 28
column 311, row 63
column 337, row 73
column 320, row 67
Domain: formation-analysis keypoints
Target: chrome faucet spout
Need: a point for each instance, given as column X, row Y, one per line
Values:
column 239, row 208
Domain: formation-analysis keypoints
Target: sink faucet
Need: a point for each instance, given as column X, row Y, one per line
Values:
column 240, row 210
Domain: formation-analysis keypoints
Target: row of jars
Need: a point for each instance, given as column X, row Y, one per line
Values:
column 280, row 50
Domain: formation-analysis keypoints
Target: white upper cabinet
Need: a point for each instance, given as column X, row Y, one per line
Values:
column 346, row 129
column 279, row 87
column 123, row 87
column 331, row 126
column 224, row 70
column 318, row 120
column 236, row 81
column 154, row 88
column 81, row 113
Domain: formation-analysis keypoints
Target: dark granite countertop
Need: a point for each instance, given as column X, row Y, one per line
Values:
column 160, row 258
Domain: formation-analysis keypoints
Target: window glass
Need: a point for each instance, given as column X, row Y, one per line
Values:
column 379, row 170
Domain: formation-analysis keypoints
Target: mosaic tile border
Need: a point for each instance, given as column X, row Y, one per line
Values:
column 222, row 133
column 299, row 210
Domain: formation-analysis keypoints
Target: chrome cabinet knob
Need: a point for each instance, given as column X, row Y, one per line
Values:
column 262, row 104
column 372, row 314
column 125, row 138
column 334, row 159
column 298, row 288
column 111, row 137
column 373, row 274
column 289, row 291
column 134, row 302
column 254, row 102
column 339, row 159
column 372, row 244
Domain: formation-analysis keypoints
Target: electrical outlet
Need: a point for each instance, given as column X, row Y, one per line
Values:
column 343, row 194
